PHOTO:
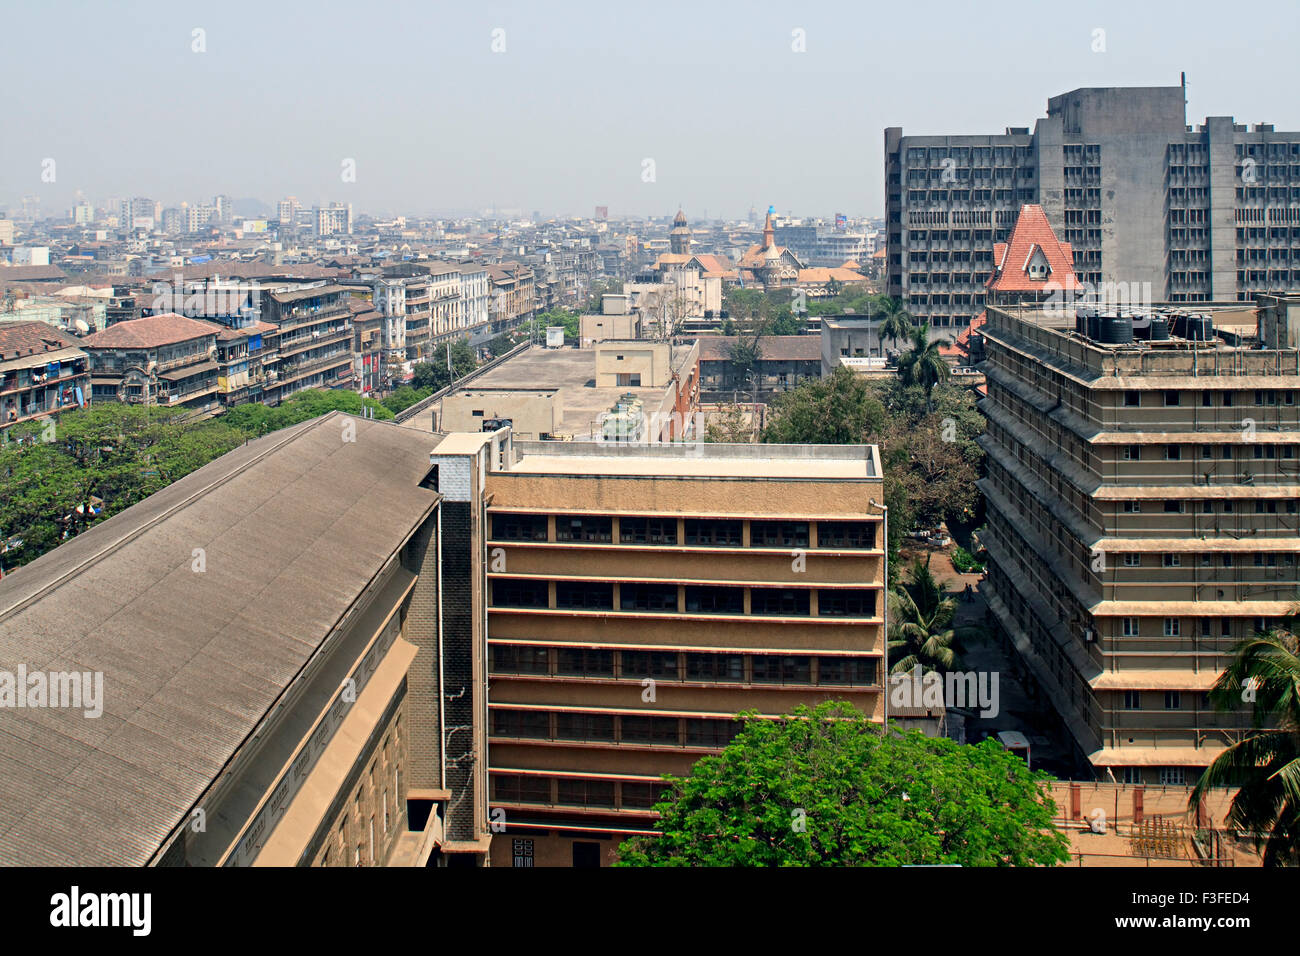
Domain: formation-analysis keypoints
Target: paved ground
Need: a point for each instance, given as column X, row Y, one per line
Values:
column 981, row 650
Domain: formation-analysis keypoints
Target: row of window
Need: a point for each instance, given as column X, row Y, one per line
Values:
column 574, row 792
column 522, row 659
column 1173, row 398
column 615, row 728
column 708, row 532
column 693, row 599
column 1172, row 506
column 1272, row 452
column 1132, row 626
column 1173, row 700
column 1225, row 559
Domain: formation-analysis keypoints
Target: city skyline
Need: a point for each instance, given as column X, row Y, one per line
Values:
column 717, row 96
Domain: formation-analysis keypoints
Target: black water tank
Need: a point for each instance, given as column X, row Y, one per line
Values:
column 1199, row 328
column 1159, row 331
column 1082, row 318
column 1094, row 326
column 1116, row 330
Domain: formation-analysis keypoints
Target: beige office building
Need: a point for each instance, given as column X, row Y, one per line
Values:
column 638, row 598
column 1142, row 511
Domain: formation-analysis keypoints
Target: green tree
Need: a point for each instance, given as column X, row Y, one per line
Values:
column 1264, row 766
column 921, row 623
column 837, row 410
column 895, row 323
column 404, row 397
column 59, row 478
column 922, row 364
column 432, row 376
column 826, row 787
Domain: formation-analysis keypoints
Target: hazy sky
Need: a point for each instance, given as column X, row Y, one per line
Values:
column 584, row 93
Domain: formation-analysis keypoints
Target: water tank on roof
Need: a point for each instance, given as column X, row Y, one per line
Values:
column 1081, row 317
column 1159, row 331
column 1115, row 330
column 1199, row 328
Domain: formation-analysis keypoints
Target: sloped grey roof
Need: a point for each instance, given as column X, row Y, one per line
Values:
column 293, row 525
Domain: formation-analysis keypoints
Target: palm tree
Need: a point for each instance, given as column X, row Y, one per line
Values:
column 1265, row 765
column 895, row 322
column 922, row 364
column 920, row 623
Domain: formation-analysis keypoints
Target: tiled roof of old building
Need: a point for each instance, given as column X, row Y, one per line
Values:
column 150, row 332
column 1032, row 233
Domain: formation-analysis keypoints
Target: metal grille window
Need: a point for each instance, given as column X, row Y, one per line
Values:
column 790, row 601
column 846, row 602
column 846, row 534
column 855, row 671
column 778, row 534
column 770, row 669
column 706, row 732
column 728, row 668
column 519, row 527
column 522, row 853
column 714, row 532
column 521, row 723
column 647, row 530
column 585, row 793
column 658, row 664
column 648, row 597
column 512, row 593
column 584, row 662
column 595, row 595
column 706, row 599
column 584, row 528
column 521, row 788
column 520, row 659
column 649, row 730
column 641, row 796
column 584, row 727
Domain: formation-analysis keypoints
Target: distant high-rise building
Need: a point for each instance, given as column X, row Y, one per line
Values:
column 138, row 213
column 334, row 220
column 1205, row 213
column 287, row 214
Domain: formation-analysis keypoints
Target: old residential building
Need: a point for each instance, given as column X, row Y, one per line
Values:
column 42, row 372
column 315, row 342
column 1142, row 495
column 1189, row 213
column 164, row 359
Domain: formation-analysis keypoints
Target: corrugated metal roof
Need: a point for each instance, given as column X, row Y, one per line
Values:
column 293, row 527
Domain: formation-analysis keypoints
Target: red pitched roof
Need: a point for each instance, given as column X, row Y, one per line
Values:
column 1031, row 234
column 150, row 332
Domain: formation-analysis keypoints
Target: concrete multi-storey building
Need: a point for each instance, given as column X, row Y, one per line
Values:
column 630, row 600
column 315, row 340
column 1167, row 211
column 513, row 295
column 1142, row 488
column 474, row 302
column 332, row 220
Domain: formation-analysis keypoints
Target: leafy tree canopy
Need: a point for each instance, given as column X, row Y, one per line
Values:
column 826, row 787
